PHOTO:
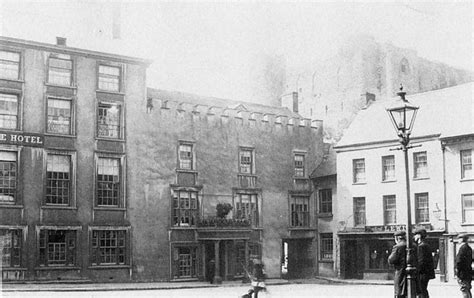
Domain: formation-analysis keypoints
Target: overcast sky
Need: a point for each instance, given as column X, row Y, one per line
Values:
column 211, row 48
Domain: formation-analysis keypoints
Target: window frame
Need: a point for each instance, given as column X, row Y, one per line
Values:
column 326, row 247
column 72, row 113
column 464, row 164
column 17, row 200
column 177, row 211
column 300, row 218
column 121, row 120
column 120, row 80
column 94, row 250
column 16, row 251
column 63, row 57
column 356, row 172
column 325, row 200
column 19, row 64
column 72, row 180
column 299, row 166
column 416, row 165
column 386, row 211
column 388, row 168
column 422, row 212
column 18, row 109
column 76, row 253
column 192, row 157
column 252, row 213
column 121, row 202
column 251, row 164
column 176, row 261
column 464, row 209
column 357, row 212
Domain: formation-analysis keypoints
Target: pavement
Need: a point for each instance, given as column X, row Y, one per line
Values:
column 84, row 286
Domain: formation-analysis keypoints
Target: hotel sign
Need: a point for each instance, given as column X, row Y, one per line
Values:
column 394, row 228
column 21, row 139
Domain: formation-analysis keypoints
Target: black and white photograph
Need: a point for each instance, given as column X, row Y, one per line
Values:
column 244, row 149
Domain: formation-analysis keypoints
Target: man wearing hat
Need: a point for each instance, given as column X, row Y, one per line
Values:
column 398, row 258
column 425, row 264
column 463, row 268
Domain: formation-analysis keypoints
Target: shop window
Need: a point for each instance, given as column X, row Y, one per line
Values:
column 420, row 163
column 388, row 168
column 422, row 214
column 358, row 169
column 185, row 262
column 10, row 248
column 185, row 156
column 60, row 70
column 9, row 65
column 325, row 201
column 59, row 116
column 359, row 211
column 58, row 175
column 109, row 119
column 8, row 177
column 389, row 210
column 299, row 211
column 246, row 161
column 57, row 247
column 326, row 248
column 466, row 164
column 8, row 111
column 109, row 182
column 108, row 247
column 246, row 208
column 109, row 78
column 378, row 251
column 299, row 165
column 185, row 208
column 468, row 208
column 240, row 261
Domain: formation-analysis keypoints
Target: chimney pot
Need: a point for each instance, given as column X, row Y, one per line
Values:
column 61, row 41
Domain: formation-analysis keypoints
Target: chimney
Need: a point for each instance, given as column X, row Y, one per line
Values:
column 60, row 41
column 295, row 102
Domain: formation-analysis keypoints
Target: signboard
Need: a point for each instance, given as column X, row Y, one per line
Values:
column 21, row 139
column 394, row 228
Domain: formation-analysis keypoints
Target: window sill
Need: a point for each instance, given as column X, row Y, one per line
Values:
column 61, row 86
column 467, row 224
column 58, row 207
column 51, row 134
column 420, row 178
column 326, row 261
column 359, row 183
column 58, row 267
column 12, row 80
column 179, row 279
column 14, row 268
column 466, row 179
column 186, row 171
column 301, row 228
column 388, row 181
column 325, row 215
column 109, row 267
column 121, row 140
column 110, row 92
column 183, row 227
column 11, row 206
column 105, row 208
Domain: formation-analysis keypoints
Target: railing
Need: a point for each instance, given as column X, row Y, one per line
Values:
column 247, row 181
column 223, row 222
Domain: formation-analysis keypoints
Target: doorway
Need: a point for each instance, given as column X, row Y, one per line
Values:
column 297, row 258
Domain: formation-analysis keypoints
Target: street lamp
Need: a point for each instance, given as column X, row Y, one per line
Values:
column 403, row 116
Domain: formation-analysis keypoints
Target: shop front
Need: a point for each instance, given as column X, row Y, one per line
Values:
column 364, row 253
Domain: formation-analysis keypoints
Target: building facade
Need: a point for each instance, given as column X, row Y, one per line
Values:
column 63, row 194
column 372, row 195
column 218, row 182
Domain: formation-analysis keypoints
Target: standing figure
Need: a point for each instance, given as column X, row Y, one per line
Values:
column 425, row 264
column 211, row 271
column 398, row 258
column 463, row 268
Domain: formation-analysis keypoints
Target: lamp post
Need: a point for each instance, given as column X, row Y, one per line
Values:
column 403, row 116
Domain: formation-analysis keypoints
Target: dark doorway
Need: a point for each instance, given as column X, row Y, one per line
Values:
column 352, row 261
column 297, row 258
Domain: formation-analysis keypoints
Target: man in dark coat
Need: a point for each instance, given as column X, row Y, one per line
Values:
column 425, row 266
column 463, row 268
column 398, row 258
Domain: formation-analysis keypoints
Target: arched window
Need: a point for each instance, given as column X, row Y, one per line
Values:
column 404, row 66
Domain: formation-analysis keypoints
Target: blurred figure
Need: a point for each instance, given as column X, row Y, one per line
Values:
column 463, row 268
column 398, row 258
column 425, row 266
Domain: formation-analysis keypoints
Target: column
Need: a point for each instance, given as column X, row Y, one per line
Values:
column 217, row 275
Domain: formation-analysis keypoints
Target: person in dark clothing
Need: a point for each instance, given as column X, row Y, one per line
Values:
column 425, row 266
column 211, row 271
column 463, row 267
column 398, row 259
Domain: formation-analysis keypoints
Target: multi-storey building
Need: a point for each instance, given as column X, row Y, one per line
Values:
column 63, row 186
column 372, row 196
column 217, row 182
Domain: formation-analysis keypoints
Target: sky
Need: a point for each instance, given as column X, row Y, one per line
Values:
column 215, row 48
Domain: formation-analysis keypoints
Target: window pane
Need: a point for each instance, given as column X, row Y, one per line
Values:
column 422, row 208
column 58, row 179
column 299, row 165
column 245, row 161
column 468, row 208
column 300, row 212
column 60, row 71
column 388, row 168
column 59, row 116
column 8, row 174
column 421, row 164
column 109, row 248
column 466, row 164
column 326, row 247
column 325, row 201
column 108, row 182
column 359, row 211
column 186, row 157
column 358, row 170
column 9, row 65
column 390, row 209
column 8, row 111
column 109, row 78
column 108, row 122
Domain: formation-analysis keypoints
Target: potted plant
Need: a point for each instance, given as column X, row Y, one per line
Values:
column 222, row 209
